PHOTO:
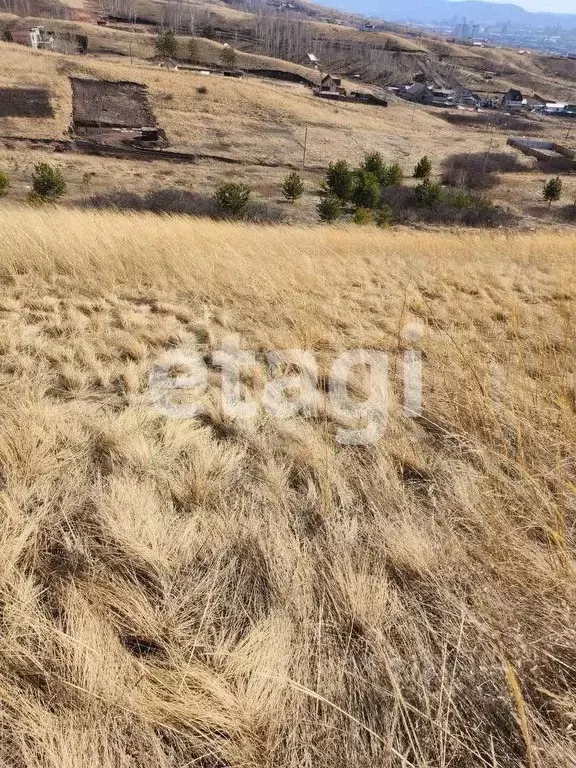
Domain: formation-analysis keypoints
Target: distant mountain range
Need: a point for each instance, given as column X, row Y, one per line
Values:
column 437, row 11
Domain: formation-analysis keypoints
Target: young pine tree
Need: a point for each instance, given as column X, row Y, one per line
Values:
column 193, row 49
column 367, row 191
column 329, row 209
column 423, row 168
column 229, row 57
column 47, row 183
column 233, row 198
column 340, row 180
column 553, row 190
column 374, row 164
column 293, row 187
column 166, row 44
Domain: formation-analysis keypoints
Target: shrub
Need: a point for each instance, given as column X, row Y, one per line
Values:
column 166, row 44
column 229, row 57
column 362, row 216
column 47, row 183
column 329, row 208
column 293, row 187
column 374, row 164
column 429, row 194
column 385, row 217
column 478, row 170
column 367, row 190
column 423, row 168
column 233, row 198
column 202, row 90
column 4, row 183
column 393, row 175
column 340, row 180
column 553, row 191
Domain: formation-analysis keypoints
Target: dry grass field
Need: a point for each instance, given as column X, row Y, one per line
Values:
column 211, row 592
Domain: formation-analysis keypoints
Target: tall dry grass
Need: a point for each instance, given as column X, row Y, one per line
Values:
column 202, row 592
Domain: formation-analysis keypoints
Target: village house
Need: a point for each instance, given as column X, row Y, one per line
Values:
column 35, row 37
column 332, row 86
column 513, row 99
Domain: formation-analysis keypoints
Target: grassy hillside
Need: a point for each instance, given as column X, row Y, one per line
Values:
column 219, row 593
column 252, row 121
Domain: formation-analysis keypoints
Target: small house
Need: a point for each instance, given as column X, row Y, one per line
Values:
column 513, row 99
column 332, row 86
column 419, row 93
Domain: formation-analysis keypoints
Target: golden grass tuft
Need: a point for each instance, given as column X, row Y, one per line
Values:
column 202, row 592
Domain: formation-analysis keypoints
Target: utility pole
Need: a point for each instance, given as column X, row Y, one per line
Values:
column 488, row 154
column 305, row 149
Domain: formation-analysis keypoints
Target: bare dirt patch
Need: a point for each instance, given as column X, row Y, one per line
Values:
column 105, row 104
column 25, row 102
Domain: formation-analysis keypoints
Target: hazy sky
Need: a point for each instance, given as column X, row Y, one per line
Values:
column 554, row 6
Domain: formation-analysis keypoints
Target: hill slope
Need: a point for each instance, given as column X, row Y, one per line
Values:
column 216, row 592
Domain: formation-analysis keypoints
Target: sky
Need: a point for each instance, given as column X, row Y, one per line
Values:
column 552, row 6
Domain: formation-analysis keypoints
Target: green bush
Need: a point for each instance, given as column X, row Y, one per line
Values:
column 553, row 190
column 329, row 208
column 460, row 198
column 293, row 187
column 367, row 190
column 393, row 175
column 384, row 217
column 429, row 194
column 4, row 183
column 362, row 216
column 423, row 168
column 233, row 198
column 47, row 183
column 387, row 174
column 374, row 164
column 340, row 180
column 166, row 44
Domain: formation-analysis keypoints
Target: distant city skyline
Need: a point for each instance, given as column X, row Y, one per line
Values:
column 551, row 6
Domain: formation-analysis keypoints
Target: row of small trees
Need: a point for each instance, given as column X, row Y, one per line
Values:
column 343, row 187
